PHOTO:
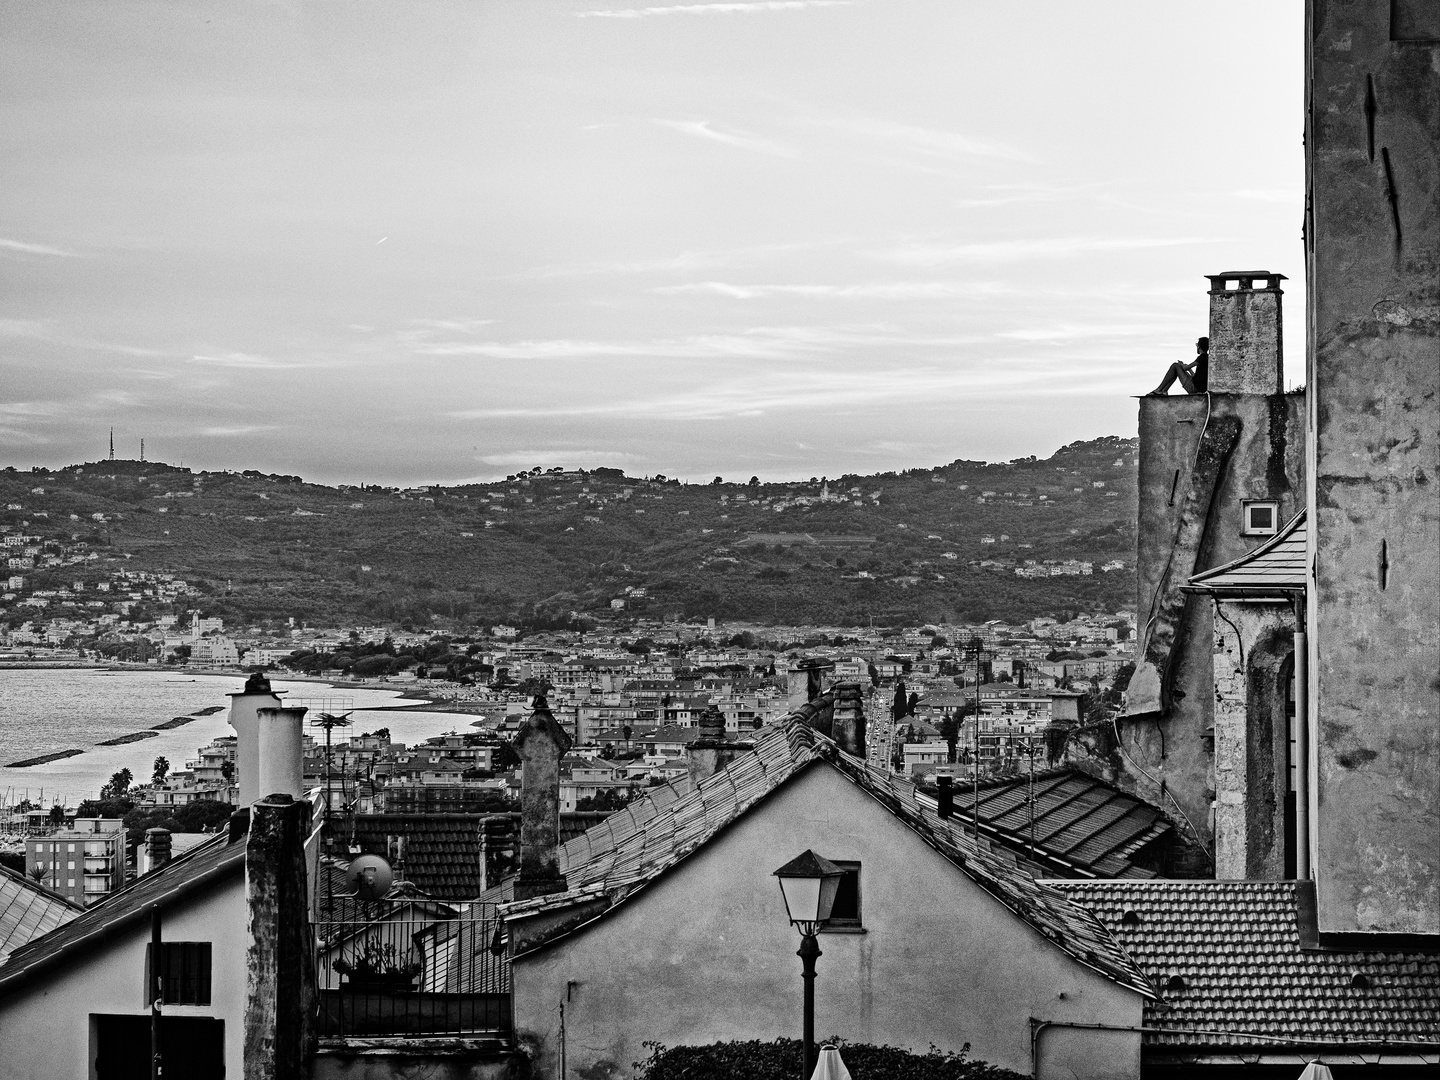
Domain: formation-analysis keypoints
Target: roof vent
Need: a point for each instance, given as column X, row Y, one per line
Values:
column 1175, row 982
column 1131, row 918
column 1359, row 980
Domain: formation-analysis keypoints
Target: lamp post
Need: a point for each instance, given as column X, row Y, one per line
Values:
column 808, row 884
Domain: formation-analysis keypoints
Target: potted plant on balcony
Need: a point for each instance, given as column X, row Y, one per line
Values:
column 377, row 968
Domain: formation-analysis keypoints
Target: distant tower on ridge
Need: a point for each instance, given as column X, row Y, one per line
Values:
column 142, row 449
column 112, row 444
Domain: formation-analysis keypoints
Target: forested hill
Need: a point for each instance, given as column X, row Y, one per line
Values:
column 913, row 546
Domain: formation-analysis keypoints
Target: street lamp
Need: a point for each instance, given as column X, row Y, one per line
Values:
column 808, row 884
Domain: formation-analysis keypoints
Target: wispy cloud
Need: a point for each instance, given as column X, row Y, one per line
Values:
column 553, row 456
column 22, row 409
column 927, row 142
column 1053, row 247
column 777, row 391
column 23, row 248
column 1027, row 194
column 1072, row 331
column 459, row 325
column 1272, row 195
column 704, row 129
column 25, row 328
column 882, row 290
column 757, row 343
column 223, row 431
column 251, row 362
column 751, row 8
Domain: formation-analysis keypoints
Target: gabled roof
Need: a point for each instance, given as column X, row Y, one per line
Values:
column 215, row 860
column 617, row 858
column 1248, row 982
column 1275, row 567
column 1083, row 827
column 27, row 910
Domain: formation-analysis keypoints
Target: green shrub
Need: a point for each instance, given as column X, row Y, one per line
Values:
column 780, row 1060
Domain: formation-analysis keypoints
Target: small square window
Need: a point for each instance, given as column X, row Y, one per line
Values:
column 1261, row 519
column 185, row 971
column 845, row 911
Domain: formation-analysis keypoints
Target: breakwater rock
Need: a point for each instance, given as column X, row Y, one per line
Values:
column 43, row 758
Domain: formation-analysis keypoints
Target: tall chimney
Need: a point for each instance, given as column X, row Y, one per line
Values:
column 847, row 727
column 281, row 752
column 807, row 680
column 542, row 743
column 157, row 849
column 244, row 718
column 1245, row 354
column 711, row 752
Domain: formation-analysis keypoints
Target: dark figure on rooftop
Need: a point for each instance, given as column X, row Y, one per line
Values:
column 1193, row 376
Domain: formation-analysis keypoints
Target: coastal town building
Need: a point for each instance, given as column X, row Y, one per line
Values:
column 84, row 863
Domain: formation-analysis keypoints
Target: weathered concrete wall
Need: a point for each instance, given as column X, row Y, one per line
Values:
column 279, row 954
column 417, row 1059
column 1253, row 645
column 1374, row 377
column 541, row 743
column 706, row 954
column 1179, row 534
column 45, row 1028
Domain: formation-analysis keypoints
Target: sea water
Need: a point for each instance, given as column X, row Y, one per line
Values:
column 43, row 710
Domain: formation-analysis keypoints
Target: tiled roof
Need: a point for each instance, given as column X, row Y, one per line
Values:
column 212, row 861
column 1248, row 983
column 1278, row 565
column 1083, row 826
column 625, row 852
column 443, row 851
column 28, row 910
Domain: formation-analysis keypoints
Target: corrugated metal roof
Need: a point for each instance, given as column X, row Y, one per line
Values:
column 1083, row 826
column 1236, row 946
column 1278, row 565
column 618, row 857
column 28, row 910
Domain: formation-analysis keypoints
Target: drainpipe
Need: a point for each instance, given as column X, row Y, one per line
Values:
column 1303, row 755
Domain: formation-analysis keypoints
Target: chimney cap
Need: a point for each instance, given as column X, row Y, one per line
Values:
column 814, row 663
column 542, row 720
column 1245, row 281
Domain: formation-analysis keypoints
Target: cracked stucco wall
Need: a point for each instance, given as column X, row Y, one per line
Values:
column 1373, row 96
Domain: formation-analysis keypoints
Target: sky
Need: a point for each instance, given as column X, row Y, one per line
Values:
column 439, row 242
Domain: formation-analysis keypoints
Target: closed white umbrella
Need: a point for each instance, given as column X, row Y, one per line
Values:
column 1316, row 1070
column 830, row 1067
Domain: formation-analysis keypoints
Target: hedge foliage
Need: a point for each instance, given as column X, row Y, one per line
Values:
column 780, row 1060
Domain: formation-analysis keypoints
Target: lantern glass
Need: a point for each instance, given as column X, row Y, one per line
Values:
column 809, row 884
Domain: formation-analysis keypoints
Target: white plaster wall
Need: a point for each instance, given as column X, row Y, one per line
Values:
column 706, row 954
column 45, row 1026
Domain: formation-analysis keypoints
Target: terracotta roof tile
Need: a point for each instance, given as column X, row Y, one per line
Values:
column 1236, row 946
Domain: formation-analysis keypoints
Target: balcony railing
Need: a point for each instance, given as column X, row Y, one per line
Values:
column 414, row 969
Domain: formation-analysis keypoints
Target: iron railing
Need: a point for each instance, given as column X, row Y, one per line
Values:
column 413, row 968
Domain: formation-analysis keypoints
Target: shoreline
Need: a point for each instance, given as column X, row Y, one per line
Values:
column 76, row 773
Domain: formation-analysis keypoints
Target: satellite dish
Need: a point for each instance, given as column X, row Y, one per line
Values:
column 370, row 877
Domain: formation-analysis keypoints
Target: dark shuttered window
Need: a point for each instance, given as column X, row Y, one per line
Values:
column 184, row 971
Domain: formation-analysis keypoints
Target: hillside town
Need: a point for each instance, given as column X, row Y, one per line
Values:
column 631, row 699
